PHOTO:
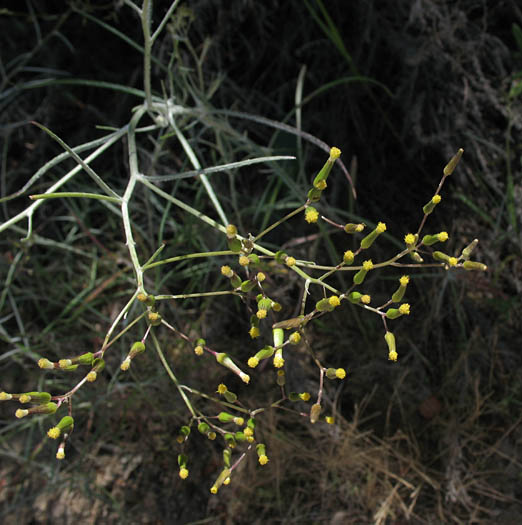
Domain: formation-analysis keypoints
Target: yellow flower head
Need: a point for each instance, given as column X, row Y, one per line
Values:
column 198, row 350
column 404, row 280
column 253, row 362
column 244, row 377
column 442, row 236
column 367, row 265
column 248, row 432
column 24, row 398
column 91, row 376
column 261, row 314
column 340, row 373
column 305, row 396
column 392, row 356
column 227, row 271
column 334, row 301
column 21, row 412
column 231, row 230
column 321, row 185
column 311, row 215
column 244, row 260
column 335, row 153
column 254, row 332
column 61, row 453
column 404, row 309
column 260, row 277
column 263, row 459
column 125, row 365
column 381, row 227
column 330, row 420
column 221, row 389
column 54, row 433
column 45, row 363
column 294, row 338
column 290, row 261
column 183, row 473
column 366, row 299
column 436, row 199
column 4, row 396
column 348, row 257
column 276, row 307
column 409, row 238
column 278, row 361
column 452, row 261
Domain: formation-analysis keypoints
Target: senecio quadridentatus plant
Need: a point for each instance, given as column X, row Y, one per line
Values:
column 245, row 270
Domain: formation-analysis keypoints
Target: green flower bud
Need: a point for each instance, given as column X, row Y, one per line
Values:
column 314, row 194
column 137, row 348
column 466, row 252
column 355, row 297
column 315, row 412
column 294, row 396
column 399, row 293
column 230, row 396
column 264, row 304
column 325, row 170
column 35, row 397
column 280, row 257
column 248, row 286
column 472, row 265
column 227, row 454
column 230, row 440
column 220, row 480
column 234, row 245
column 203, row 427
column 279, row 336
column 353, row 228
column 182, row 460
column 84, row 359
column 416, row 257
column 154, row 318
column 370, row 238
column 240, row 437
column 430, row 206
column 225, row 361
column 452, row 164
column 331, row 373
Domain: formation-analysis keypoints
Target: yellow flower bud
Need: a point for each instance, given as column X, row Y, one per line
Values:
column 54, row 433
column 340, row 373
column 244, row 260
column 334, row 301
column 183, row 473
column 311, row 215
column 348, row 257
column 254, row 332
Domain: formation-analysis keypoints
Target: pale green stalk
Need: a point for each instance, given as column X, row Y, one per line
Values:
column 171, row 374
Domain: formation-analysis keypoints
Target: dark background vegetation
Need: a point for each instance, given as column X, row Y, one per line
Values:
column 435, row 438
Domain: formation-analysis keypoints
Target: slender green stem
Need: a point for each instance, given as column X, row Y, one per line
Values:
column 171, row 374
column 59, row 195
column 280, row 221
column 134, row 176
column 191, row 295
column 147, row 47
column 210, row 398
column 166, row 18
column 188, row 256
